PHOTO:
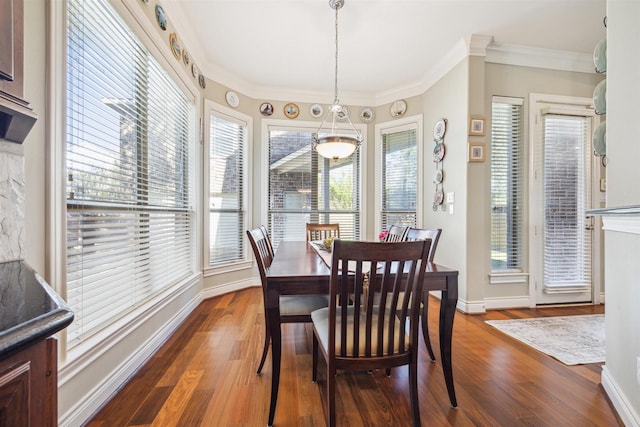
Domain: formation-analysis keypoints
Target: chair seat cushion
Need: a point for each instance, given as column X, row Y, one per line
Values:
column 302, row 304
column 320, row 319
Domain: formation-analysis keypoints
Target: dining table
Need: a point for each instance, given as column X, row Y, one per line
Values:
column 298, row 269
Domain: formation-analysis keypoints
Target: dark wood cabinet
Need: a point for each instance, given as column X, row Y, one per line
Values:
column 16, row 116
column 28, row 386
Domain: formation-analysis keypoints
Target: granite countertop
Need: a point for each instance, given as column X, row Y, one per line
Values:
column 29, row 309
column 631, row 210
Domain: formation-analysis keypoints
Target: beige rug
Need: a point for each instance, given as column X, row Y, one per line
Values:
column 573, row 340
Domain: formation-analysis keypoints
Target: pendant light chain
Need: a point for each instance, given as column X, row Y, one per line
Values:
column 335, row 98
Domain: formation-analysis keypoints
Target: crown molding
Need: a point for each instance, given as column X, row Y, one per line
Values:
column 525, row 56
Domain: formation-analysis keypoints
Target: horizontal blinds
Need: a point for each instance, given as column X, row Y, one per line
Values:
column 399, row 178
column 567, row 242
column 304, row 187
column 129, row 186
column 228, row 138
column 507, row 183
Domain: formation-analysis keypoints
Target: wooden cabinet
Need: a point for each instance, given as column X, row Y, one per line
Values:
column 28, row 386
column 16, row 116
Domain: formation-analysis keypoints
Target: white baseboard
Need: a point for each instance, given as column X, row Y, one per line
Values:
column 91, row 402
column 226, row 288
column 471, row 307
column 503, row 303
column 627, row 413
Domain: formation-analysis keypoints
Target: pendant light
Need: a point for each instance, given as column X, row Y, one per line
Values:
column 329, row 141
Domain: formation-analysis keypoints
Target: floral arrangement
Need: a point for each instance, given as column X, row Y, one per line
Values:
column 383, row 235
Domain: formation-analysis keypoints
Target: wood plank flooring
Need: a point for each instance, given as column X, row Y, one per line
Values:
column 205, row 376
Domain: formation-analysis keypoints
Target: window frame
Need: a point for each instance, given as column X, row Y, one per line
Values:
column 56, row 201
column 269, row 125
column 406, row 123
column 212, row 108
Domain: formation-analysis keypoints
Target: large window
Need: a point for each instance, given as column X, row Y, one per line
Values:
column 304, row 187
column 129, row 192
column 507, row 178
column 228, row 146
column 399, row 175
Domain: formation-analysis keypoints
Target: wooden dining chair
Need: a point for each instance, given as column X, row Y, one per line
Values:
column 396, row 233
column 322, row 231
column 293, row 309
column 371, row 335
column 434, row 235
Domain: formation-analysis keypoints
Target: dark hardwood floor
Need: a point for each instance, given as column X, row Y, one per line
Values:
column 205, row 376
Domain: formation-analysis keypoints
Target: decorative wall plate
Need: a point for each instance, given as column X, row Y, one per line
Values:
column 600, row 140
column 437, row 176
column 438, row 197
column 316, row 110
column 439, row 129
column 366, row 115
column 438, row 152
column 600, row 97
column 186, row 58
column 291, row 110
column 194, row 70
column 398, row 108
column 232, row 99
column 161, row 17
column 201, row 80
column 175, row 46
column 600, row 56
column 266, row 109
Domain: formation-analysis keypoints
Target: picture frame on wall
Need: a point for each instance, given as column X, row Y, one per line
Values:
column 476, row 152
column 476, row 126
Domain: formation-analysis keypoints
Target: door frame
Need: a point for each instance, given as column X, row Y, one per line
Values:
column 598, row 198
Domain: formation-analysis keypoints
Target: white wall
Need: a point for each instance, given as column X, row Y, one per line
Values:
column 622, row 241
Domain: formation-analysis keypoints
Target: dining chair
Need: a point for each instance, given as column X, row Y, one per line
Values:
column 396, row 233
column 371, row 335
column 434, row 235
column 293, row 309
column 322, row 231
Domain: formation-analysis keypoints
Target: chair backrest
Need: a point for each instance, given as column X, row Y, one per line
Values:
column 396, row 233
column 322, row 231
column 383, row 276
column 423, row 234
column 269, row 242
column 260, row 245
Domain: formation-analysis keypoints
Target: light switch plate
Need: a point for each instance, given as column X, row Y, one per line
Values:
column 450, row 197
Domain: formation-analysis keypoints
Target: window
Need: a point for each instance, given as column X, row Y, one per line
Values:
column 507, row 177
column 129, row 192
column 228, row 147
column 399, row 175
column 305, row 187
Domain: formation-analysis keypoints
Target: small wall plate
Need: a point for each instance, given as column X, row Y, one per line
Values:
column 232, row 99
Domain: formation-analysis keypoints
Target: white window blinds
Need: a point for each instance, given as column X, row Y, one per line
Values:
column 304, row 187
column 507, row 184
column 128, row 162
column 399, row 177
column 567, row 239
column 227, row 146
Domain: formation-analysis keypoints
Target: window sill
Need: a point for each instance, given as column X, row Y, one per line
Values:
column 237, row 266
column 508, row 278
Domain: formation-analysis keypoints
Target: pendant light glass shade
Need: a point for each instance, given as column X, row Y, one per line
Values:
column 330, row 141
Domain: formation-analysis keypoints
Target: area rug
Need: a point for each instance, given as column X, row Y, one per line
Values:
column 573, row 340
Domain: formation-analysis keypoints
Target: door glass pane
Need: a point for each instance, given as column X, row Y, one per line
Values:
column 567, row 239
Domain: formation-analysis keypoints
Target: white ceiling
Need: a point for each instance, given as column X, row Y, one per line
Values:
column 273, row 48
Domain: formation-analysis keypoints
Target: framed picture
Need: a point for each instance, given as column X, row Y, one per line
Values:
column 476, row 125
column 476, row 152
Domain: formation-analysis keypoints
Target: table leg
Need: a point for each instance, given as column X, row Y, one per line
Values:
column 273, row 306
column 447, row 311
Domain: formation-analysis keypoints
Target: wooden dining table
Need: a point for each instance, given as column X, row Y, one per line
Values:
column 297, row 269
